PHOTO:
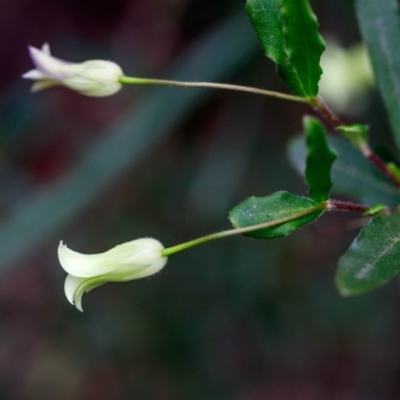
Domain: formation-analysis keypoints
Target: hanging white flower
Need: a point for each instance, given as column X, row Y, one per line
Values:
column 97, row 78
column 132, row 260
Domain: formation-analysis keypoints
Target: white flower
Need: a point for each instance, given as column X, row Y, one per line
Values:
column 97, row 78
column 132, row 260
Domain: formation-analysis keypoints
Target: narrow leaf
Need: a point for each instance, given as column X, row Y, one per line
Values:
column 380, row 28
column 320, row 159
column 304, row 47
column 373, row 258
column 257, row 210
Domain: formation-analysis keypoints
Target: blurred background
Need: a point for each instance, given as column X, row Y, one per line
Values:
column 236, row 319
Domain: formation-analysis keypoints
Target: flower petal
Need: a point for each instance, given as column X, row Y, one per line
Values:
column 43, row 84
column 34, row 74
column 75, row 288
column 146, row 271
column 96, row 78
column 46, row 48
column 128, row 258
column 132, row 260
column 50, row 66
column 71, row 286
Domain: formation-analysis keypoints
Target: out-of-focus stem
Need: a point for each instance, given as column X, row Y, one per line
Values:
column 127, row 80
column 339, row 205
column 325, row 112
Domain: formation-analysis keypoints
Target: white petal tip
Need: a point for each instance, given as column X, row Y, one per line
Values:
column 32, row 74
column 46, row 48
column 33, row 51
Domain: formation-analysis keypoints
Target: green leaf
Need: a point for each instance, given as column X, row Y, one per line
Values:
column 288, row 33
column 373, row 258
column 380, row 28
column 319, row 160
column 352, row 174
column 304, row 47
column 267, row 20
column 257, row 210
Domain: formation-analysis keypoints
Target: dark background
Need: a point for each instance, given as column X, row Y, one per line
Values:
column 236, row 319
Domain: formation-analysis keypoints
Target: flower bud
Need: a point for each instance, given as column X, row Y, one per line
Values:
column 96, row 78
column 132, row 260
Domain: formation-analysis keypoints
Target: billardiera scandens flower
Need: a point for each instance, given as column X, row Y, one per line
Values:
column 132, row 260
column 97, row 78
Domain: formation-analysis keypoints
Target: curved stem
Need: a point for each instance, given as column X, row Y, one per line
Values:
column 127, row 80
column 219, row 235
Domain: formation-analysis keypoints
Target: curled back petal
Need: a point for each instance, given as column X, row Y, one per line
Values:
column 50, row 66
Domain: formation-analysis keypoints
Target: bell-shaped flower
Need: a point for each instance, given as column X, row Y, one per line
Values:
column 97, row 78
column 132, row 260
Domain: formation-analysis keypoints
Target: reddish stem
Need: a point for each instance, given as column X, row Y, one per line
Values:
column 329, row 116
column 383, row 168
column 326, row 113
column 340, row 205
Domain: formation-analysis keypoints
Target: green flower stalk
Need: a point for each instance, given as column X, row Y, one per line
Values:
column 137, row 259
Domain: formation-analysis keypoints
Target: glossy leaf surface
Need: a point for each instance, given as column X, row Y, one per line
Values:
column 288, row 33
column 373, row 258
column 379, row 23
column 267, row 20
column 304, row 47
column 257, row 210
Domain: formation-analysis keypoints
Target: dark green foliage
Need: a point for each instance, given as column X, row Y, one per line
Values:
column 352, row 174
column 257, row 210
column 320, row 158
column 380, row 28
column 373, row 258
column 288, row 33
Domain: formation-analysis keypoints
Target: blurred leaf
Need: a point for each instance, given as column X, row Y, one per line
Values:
column 373, row 257
column 257, row 210
column 288, row 33
column 380, row 28
column 319, row 160
column 352, row 174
